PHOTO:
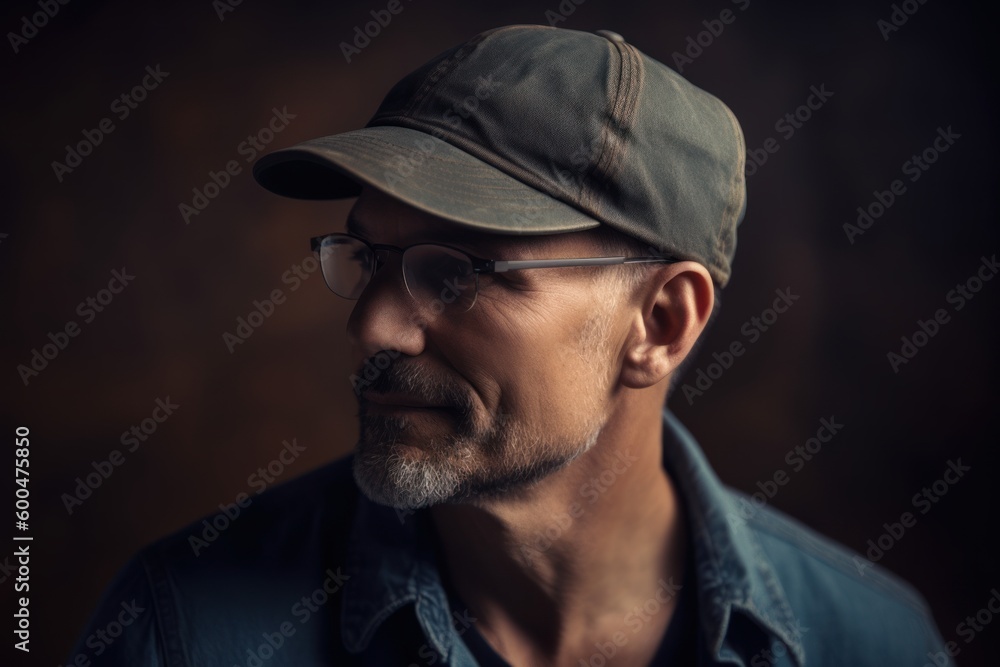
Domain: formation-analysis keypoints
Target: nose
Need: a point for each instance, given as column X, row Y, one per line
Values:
column 385, row 317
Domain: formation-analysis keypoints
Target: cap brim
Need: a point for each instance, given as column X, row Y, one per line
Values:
column 421, row 170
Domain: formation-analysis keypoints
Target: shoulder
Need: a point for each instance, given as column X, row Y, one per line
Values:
column 851, row 611
column 260, row 563
column 281, row 524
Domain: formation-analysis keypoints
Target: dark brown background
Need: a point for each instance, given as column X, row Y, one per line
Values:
column 163, row 335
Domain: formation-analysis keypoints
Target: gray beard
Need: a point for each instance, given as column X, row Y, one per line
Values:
column 469, row 464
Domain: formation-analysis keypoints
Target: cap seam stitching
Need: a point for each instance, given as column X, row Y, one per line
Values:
column 588, row 195
column 622, row 114
column 630, row 103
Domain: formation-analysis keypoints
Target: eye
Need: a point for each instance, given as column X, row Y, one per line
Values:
column 445, row 266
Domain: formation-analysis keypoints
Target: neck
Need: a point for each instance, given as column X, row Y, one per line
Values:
column 551, row 570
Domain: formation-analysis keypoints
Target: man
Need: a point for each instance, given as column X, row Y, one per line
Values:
column 543, row 219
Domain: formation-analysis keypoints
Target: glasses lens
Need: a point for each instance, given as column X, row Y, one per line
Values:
column 439, row 278
column 347, row 264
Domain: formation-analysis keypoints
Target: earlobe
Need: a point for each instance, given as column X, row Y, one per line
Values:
column 667, row 323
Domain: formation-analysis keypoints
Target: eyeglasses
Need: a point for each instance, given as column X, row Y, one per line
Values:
column 435, row 275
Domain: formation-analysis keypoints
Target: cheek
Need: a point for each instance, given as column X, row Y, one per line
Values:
column 545, row 365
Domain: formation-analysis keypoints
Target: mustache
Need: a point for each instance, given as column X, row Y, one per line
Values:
column 408, row 378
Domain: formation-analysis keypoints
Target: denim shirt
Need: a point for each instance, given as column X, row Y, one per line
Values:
column 312, row 573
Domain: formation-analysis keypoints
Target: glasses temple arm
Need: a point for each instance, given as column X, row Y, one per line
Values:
column 501, row 266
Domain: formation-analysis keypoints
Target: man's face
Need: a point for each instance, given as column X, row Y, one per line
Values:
column 524, row 380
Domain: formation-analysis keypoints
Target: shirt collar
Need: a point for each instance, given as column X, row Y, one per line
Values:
column 391, row 562
column 734, row 576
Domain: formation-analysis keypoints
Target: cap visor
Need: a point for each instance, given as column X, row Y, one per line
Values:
column 421, row 170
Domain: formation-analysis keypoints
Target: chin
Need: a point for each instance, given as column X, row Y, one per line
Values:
column 404, row 476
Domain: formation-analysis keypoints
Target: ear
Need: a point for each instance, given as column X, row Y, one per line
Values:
column 674, row 308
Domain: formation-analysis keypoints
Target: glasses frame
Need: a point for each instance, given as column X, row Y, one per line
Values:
column 481, row 265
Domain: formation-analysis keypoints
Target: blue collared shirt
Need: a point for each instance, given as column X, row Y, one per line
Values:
column 312, row 573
